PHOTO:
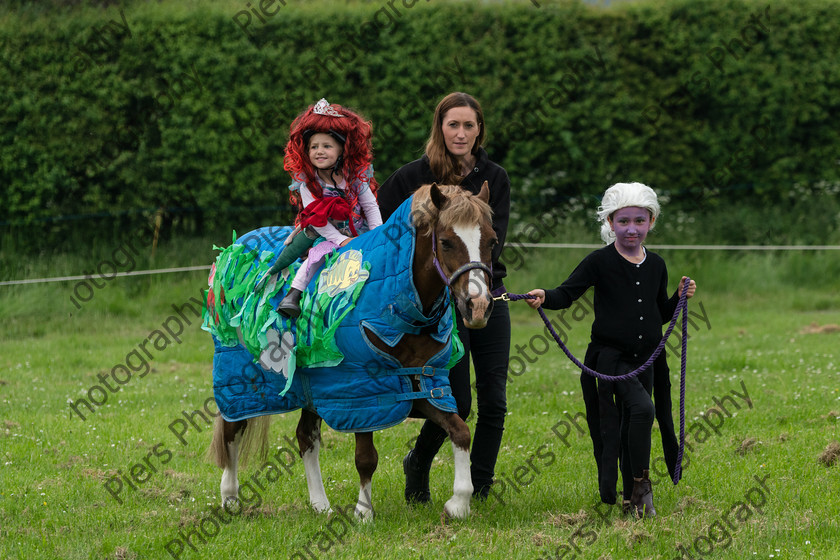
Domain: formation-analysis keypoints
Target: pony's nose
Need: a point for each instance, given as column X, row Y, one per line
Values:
column 479, row 308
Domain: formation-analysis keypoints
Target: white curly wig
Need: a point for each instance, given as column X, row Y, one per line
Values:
column 622, row 195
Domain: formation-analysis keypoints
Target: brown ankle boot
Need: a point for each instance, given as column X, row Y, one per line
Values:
column 642, row 498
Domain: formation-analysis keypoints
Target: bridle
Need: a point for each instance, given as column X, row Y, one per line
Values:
column 472, row 265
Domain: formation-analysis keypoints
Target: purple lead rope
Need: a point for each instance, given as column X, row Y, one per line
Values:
column 682, row 305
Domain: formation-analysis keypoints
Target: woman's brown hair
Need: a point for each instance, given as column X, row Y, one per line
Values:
column 445, row 166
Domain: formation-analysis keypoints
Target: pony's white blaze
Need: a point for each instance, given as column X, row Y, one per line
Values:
column 471, row 236
column 478, row 289
column 312, row 467
column 458, row 505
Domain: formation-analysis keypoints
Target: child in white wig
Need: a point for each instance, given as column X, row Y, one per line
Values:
column 631, row 305
column 623, row 195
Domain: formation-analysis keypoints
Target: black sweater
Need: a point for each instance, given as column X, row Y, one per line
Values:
column 411, row 176
column 631, row 300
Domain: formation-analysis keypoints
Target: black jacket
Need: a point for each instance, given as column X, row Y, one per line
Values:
column 408, row 178
column 631, row 302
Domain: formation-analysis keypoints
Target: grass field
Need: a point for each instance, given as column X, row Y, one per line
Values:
column 758, row 483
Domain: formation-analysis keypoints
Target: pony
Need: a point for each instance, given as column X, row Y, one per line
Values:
column 445, row 236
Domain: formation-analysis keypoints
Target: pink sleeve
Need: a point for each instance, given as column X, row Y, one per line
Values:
column 370, row 208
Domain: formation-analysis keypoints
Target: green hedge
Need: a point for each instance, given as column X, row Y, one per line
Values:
column 189, row 109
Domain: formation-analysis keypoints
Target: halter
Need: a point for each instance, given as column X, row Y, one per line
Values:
column 461, row 269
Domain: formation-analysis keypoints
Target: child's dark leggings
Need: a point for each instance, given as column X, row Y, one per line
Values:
column 610, row 425
column 633, row 399
column 626, row 414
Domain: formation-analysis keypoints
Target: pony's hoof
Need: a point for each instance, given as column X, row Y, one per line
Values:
column 320, row 507
column 452, row 510
column 230, row 501
column 363, row 515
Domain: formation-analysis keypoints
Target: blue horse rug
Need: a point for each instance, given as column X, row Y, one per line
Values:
column 324, row 361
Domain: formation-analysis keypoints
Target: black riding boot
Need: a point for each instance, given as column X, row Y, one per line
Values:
column 416, row 480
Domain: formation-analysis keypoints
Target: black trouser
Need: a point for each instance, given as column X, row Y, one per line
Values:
column 620, row 417
column 633, row 398
column 490, row 351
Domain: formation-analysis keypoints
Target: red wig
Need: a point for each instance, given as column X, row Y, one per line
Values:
column 357, row 155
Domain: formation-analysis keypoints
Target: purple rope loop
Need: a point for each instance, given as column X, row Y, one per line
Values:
column 682, row 306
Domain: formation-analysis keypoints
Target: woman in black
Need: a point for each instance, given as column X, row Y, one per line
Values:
column 454, row 156
column 631, row 304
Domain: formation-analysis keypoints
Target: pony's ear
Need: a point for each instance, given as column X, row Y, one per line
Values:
column 438, row 198
column 484, row 194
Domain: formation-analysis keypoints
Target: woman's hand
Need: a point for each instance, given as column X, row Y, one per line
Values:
column 538, row 300
column 692, row 287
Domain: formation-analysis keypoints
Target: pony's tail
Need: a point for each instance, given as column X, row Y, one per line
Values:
column 252, row 440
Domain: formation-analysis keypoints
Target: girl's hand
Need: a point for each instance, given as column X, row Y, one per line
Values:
column 345, row 242
column 538, row 300
column 692, row 287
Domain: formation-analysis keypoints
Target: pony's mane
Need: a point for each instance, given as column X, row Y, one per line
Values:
column 462, row 208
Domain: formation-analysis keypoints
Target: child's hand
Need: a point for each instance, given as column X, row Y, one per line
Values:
column 345, row 242
column 538, row 300
column 692, row 287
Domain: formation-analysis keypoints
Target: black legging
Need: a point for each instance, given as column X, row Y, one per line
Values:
column 490, row 351
column 637, row 412
column 620, row 417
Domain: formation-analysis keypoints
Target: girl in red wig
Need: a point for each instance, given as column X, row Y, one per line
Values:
column 329, row 157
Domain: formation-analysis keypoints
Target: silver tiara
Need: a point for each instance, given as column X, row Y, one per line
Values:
column 324, row 108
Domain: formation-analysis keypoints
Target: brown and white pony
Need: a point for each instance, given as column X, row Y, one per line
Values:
column 453, row 244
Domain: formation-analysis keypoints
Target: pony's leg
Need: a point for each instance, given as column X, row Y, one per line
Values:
column 224, row 450
column 309, row 440
column 458, row 505
column 367, row 459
